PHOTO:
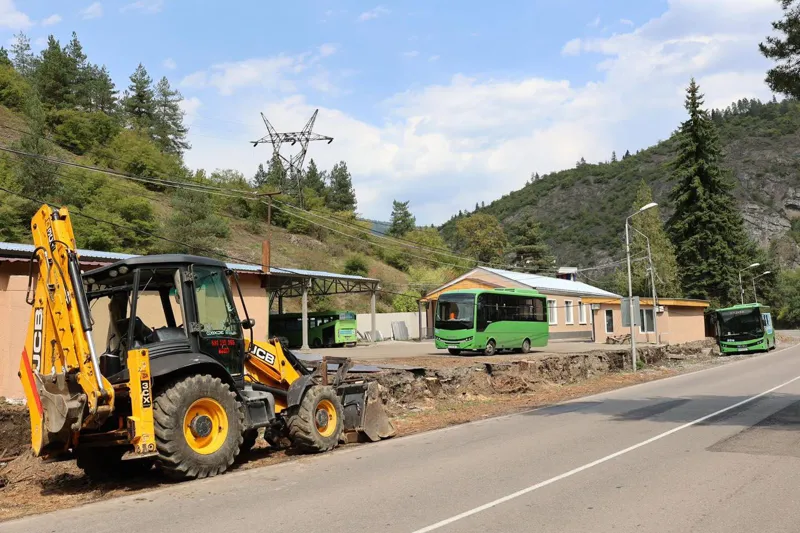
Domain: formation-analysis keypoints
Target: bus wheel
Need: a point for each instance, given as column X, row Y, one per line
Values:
column 491, row 348
column 316, row 343
column 454, row 351
column 526, row 346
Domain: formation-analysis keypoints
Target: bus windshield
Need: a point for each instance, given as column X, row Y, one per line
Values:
column 456, row 311
column 740, row 323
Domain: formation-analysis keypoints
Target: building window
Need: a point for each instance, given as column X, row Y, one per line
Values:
column 581, row 313
column 646, row 324
column 568, row 314
column 609, row 321
column 552, row 312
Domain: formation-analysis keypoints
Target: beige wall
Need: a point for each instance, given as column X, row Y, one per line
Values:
column 675, row 325
column 14, row 317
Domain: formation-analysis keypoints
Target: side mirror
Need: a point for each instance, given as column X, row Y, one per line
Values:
column 248, row 323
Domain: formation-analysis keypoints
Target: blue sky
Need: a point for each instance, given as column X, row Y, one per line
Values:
column 442, row 103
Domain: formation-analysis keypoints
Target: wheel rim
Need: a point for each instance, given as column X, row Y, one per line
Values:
column 205, row 426
column 325, row 418
column 526, row 346
column 490, row 347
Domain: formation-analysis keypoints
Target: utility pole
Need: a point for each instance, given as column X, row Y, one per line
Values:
column 741, row 287
column 652, row 282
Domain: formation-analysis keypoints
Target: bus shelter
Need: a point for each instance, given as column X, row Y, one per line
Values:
column 281, row 283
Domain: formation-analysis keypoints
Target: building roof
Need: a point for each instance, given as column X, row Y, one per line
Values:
column 24, row 250
column 669, row 302
column 543, row 284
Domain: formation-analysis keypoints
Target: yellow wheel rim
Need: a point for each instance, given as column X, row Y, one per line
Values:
column 325, row 418
column 205, row 426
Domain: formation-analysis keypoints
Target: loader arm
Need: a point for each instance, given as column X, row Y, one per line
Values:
column 59, row 367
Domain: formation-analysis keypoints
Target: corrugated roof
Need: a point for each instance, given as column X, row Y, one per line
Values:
column 548, row 284
column 113, row 256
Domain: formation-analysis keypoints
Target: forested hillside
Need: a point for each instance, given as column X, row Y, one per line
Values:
column 114, row 156
column 761, row 148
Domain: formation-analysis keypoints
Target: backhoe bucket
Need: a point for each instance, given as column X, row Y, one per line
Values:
column 364, row 415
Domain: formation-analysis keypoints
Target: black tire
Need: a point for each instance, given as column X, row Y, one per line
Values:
column 454, row 351
column 526, row 346
column 491, row 348
column 176, row 457
column 305, row 430
column 316, row 343
column 103, row 464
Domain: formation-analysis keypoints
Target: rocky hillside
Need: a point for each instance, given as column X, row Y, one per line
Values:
column 582, row 209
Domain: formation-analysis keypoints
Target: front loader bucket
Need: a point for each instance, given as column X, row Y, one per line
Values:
column 364, row 415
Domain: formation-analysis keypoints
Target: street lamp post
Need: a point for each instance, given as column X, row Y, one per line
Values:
column 630, row 281
column 652, row 282
column 755, row 296
column 741, row 288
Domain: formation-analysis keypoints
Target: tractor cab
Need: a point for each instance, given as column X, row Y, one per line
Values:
column 168, row 304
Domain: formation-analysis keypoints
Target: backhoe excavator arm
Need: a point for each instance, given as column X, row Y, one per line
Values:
column 59, row 367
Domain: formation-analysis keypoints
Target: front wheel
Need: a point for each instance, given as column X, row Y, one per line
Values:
column 199, row 427
column 454, row 351
column 318, row 422
column 491, row 348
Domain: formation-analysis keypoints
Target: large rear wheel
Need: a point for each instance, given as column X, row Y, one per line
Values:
column 316, row 424
column 526, row 346
column 199, row 427
column 491, row 348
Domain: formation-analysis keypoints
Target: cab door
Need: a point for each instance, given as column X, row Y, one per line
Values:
column 218, row 327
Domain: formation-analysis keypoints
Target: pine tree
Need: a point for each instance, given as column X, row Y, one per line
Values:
column 401, row 221
column 36, row 176
column 536, row 177
column 530, row 249
column 22, row 57
column 341, row 195
column 260, row 177
column 626, row 155
column 138, row 101
column 80, row 73
column 56, row 75
column 314, row 179
column 482, row 204
column 648, row 224
column 613, row 156
column 706, row 227
column 101, row 94
column 276, row 175
column 785, row 49
column 168, row 129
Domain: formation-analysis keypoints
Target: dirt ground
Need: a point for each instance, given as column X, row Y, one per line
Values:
column 450, row 391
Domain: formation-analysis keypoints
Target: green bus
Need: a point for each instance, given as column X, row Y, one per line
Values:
column 327, row 328
column 491, row 320
column 745, row 328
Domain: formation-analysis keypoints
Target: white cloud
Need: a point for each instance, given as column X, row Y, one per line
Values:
column 40, row 42
column 93, row 11
column 52, row 20
column 373, row 13
column 144, row 6
column 169, row 64
column 433, row 58
column 12, row 18
column 411, row 53
column 595, row 23
column 626, row 22
column 440, row 145
column 572, row 48
column 189, row 106
column 327, row 49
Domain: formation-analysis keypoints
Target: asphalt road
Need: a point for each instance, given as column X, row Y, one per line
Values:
column 713, row 451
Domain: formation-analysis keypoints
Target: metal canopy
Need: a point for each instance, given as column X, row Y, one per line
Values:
column 289, row 286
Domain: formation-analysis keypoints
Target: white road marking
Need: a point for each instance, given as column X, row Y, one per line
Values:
column 587, row 466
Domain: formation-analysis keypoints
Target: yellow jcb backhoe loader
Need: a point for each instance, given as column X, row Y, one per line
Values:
column 177, row 385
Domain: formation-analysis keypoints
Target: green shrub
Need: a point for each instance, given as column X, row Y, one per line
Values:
column 356, row 266
column 406, row 303
column 13, row 88
column 81, row 131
